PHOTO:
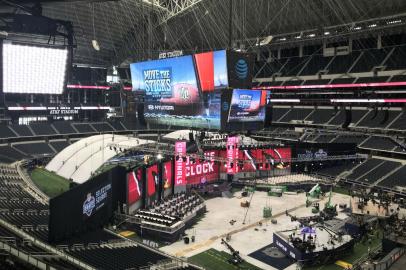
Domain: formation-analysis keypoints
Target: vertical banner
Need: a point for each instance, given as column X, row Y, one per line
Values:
column 134, row 187
column 232, row 155
column 180, row 171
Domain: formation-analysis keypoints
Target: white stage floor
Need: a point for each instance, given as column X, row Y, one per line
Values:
column 249, row 237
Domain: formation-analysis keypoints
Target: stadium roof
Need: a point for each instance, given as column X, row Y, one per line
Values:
column 124, row 34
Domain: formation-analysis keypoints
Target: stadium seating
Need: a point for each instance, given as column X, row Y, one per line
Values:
column 357, row 61
column 397, row 179
column 22, row 130
column 378, row 172
column 42, row 129
column 35, row 148
column 364, row 168
column 5, row 132
column 131, row 257
column 380, row 143
column 64, row 127
column 9, row 154
column 336, row 170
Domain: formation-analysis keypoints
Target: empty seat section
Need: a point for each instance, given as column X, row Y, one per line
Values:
column 296, row 114
column 64, row 127
column 376, row 79
column 336, row 170
column 399, row 123
column 342, row 81
column 396, row 59
column 356, row 115
column 117, row 126
column 364, row 168
column 379, row 172
column 338, row 119
column 293, row 82
column 369, row 59
column 342, row 63
column 321, row 116
column 102, row 127
column 350, row 139
column 316, row 63
column 59, row 145
column 5, row 132
column 42, row 129
column 317, row 82
column 379, row 143
column 266, row 70
column 378, row 119
column 23, row 131
column 9, row 154
column 325, row 138
column 38, row 148
column 84, row 128
column 398, row 78
column 398, row 178
column 131, row 125
column 293, row 66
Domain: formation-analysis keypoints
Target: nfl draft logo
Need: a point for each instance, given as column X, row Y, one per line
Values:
column 184, row 93
column 89, row 204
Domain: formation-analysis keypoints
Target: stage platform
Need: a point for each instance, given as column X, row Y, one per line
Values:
column 327, row 244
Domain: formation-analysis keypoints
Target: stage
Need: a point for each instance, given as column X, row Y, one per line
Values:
column 249, row 237
column 327, row 244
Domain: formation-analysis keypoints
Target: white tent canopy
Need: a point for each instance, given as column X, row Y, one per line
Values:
column 79, row 160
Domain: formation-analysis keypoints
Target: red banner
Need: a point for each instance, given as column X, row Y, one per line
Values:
column 167, row 174
column 134, row 186
column 152, row 179
column 180, row 170
column 202, row 171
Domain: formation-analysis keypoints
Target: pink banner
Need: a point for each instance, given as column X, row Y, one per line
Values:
column 232, row 155
column 180, row 171
column 332, row 86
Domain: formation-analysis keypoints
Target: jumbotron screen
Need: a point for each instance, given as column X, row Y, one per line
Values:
column 182, row 89
column 247, row 106
column 33, row 70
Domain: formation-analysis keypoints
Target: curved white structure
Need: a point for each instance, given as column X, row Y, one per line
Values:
column 79, row 160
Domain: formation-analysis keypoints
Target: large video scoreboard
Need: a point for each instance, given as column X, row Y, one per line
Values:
column 204, row 90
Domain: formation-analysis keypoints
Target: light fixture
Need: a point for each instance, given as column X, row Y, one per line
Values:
column 34, row 69
column 159, row 156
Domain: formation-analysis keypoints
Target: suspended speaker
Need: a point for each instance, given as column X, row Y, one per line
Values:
column 348, row 118
column 268, row 116
column 140, row 113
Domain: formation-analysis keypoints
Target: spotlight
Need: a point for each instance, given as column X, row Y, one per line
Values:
column 159, row 156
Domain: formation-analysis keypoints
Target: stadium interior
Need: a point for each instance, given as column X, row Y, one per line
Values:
column 203, row 134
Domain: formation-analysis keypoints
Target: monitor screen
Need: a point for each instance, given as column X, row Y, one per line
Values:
column 33, row 70
column 247, row 106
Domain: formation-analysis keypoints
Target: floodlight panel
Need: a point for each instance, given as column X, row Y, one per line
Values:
column 33, row 70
